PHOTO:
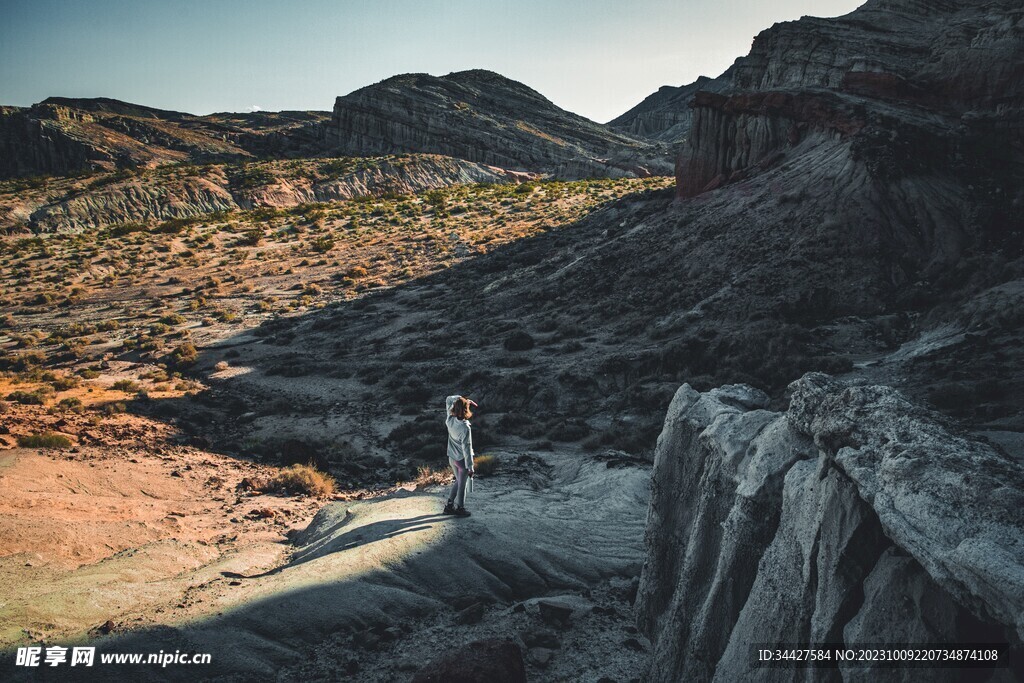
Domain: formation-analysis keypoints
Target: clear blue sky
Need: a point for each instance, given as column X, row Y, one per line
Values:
column 594, row 57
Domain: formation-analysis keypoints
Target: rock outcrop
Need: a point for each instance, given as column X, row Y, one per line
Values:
column 667, row 115
column 487, row 118
column 73, row 205
column 61, row 136
column 855, row 516
column 871, row 73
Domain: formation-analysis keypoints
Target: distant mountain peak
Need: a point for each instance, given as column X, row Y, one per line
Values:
column 112, row 106
column 485, row 117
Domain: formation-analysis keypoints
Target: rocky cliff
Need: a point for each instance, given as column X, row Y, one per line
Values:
column 667, row 115
column 897, row 72
column 61, row 136
column 855, row 516
column 487, row 118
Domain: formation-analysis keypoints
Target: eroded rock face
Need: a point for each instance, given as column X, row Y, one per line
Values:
column 60, row 136
column 484, row 117
column 855, row 517
column 667, row 114
column 871, row 72
column 149, row 197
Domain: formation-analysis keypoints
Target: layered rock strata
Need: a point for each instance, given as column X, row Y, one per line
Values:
column 487, row 118
column 854, row 517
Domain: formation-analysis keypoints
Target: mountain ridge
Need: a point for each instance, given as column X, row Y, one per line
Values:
column 475, row 115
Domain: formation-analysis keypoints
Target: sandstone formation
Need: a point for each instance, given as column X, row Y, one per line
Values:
column 864, row 79
column 60, row 136
column 487, row 118
column 187, row 192
column 855, row 517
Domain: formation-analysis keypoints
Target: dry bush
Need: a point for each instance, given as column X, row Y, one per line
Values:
column 301, row 480
column 44, row 440
column 126, row 385
column 428, row 476
column 37, row 397
column 485, row 465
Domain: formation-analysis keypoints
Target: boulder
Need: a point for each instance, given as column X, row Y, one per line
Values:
column 493, row 660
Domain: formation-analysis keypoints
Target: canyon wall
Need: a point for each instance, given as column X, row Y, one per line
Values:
column 856, row 516
column 924, row 71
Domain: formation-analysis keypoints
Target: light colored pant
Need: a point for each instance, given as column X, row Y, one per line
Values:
column 458, row 494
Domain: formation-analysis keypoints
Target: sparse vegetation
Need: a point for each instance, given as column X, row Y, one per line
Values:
column 35, row 397
column 301, row 480
column 44, row 440
column 126, row 385
column 485, row 465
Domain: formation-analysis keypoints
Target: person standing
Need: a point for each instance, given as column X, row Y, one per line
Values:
column 458, row 410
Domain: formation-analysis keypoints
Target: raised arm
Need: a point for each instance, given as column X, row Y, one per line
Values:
column 448, row 403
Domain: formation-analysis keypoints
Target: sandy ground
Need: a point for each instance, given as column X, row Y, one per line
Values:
column 552, row 524
column 99, row 539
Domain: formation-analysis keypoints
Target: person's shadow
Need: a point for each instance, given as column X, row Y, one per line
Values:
column 352, row 539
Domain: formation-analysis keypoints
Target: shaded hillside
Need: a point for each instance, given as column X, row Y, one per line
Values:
column 61, row 136
column 830, row 231
column 666, row 115
column 484, row 117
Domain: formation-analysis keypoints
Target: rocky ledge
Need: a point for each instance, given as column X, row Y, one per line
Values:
column 856, row 516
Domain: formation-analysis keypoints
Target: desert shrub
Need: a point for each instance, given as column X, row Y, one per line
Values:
column 519, row 340
column 337, row 167
column 568, row 431
column 126, row 385
column 114, row 408
column 952, row 395
column 4, row 407
column 44, row 440
column 122, row 229
column 22, row 362
column 64, row 382
column 71, row 404
column 485, row 465
column 419, row 439
column 173, row 226
column 184, row 354
column 301, row 480
column 427, row 475
column 251, row 238
column 37, row 397
column 323, row 244
column 413, row 393
column 422, row 352
column 172, row 319
column 247, row 176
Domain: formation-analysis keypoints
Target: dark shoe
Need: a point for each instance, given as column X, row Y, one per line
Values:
column 449, row 509
column 461, row 512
